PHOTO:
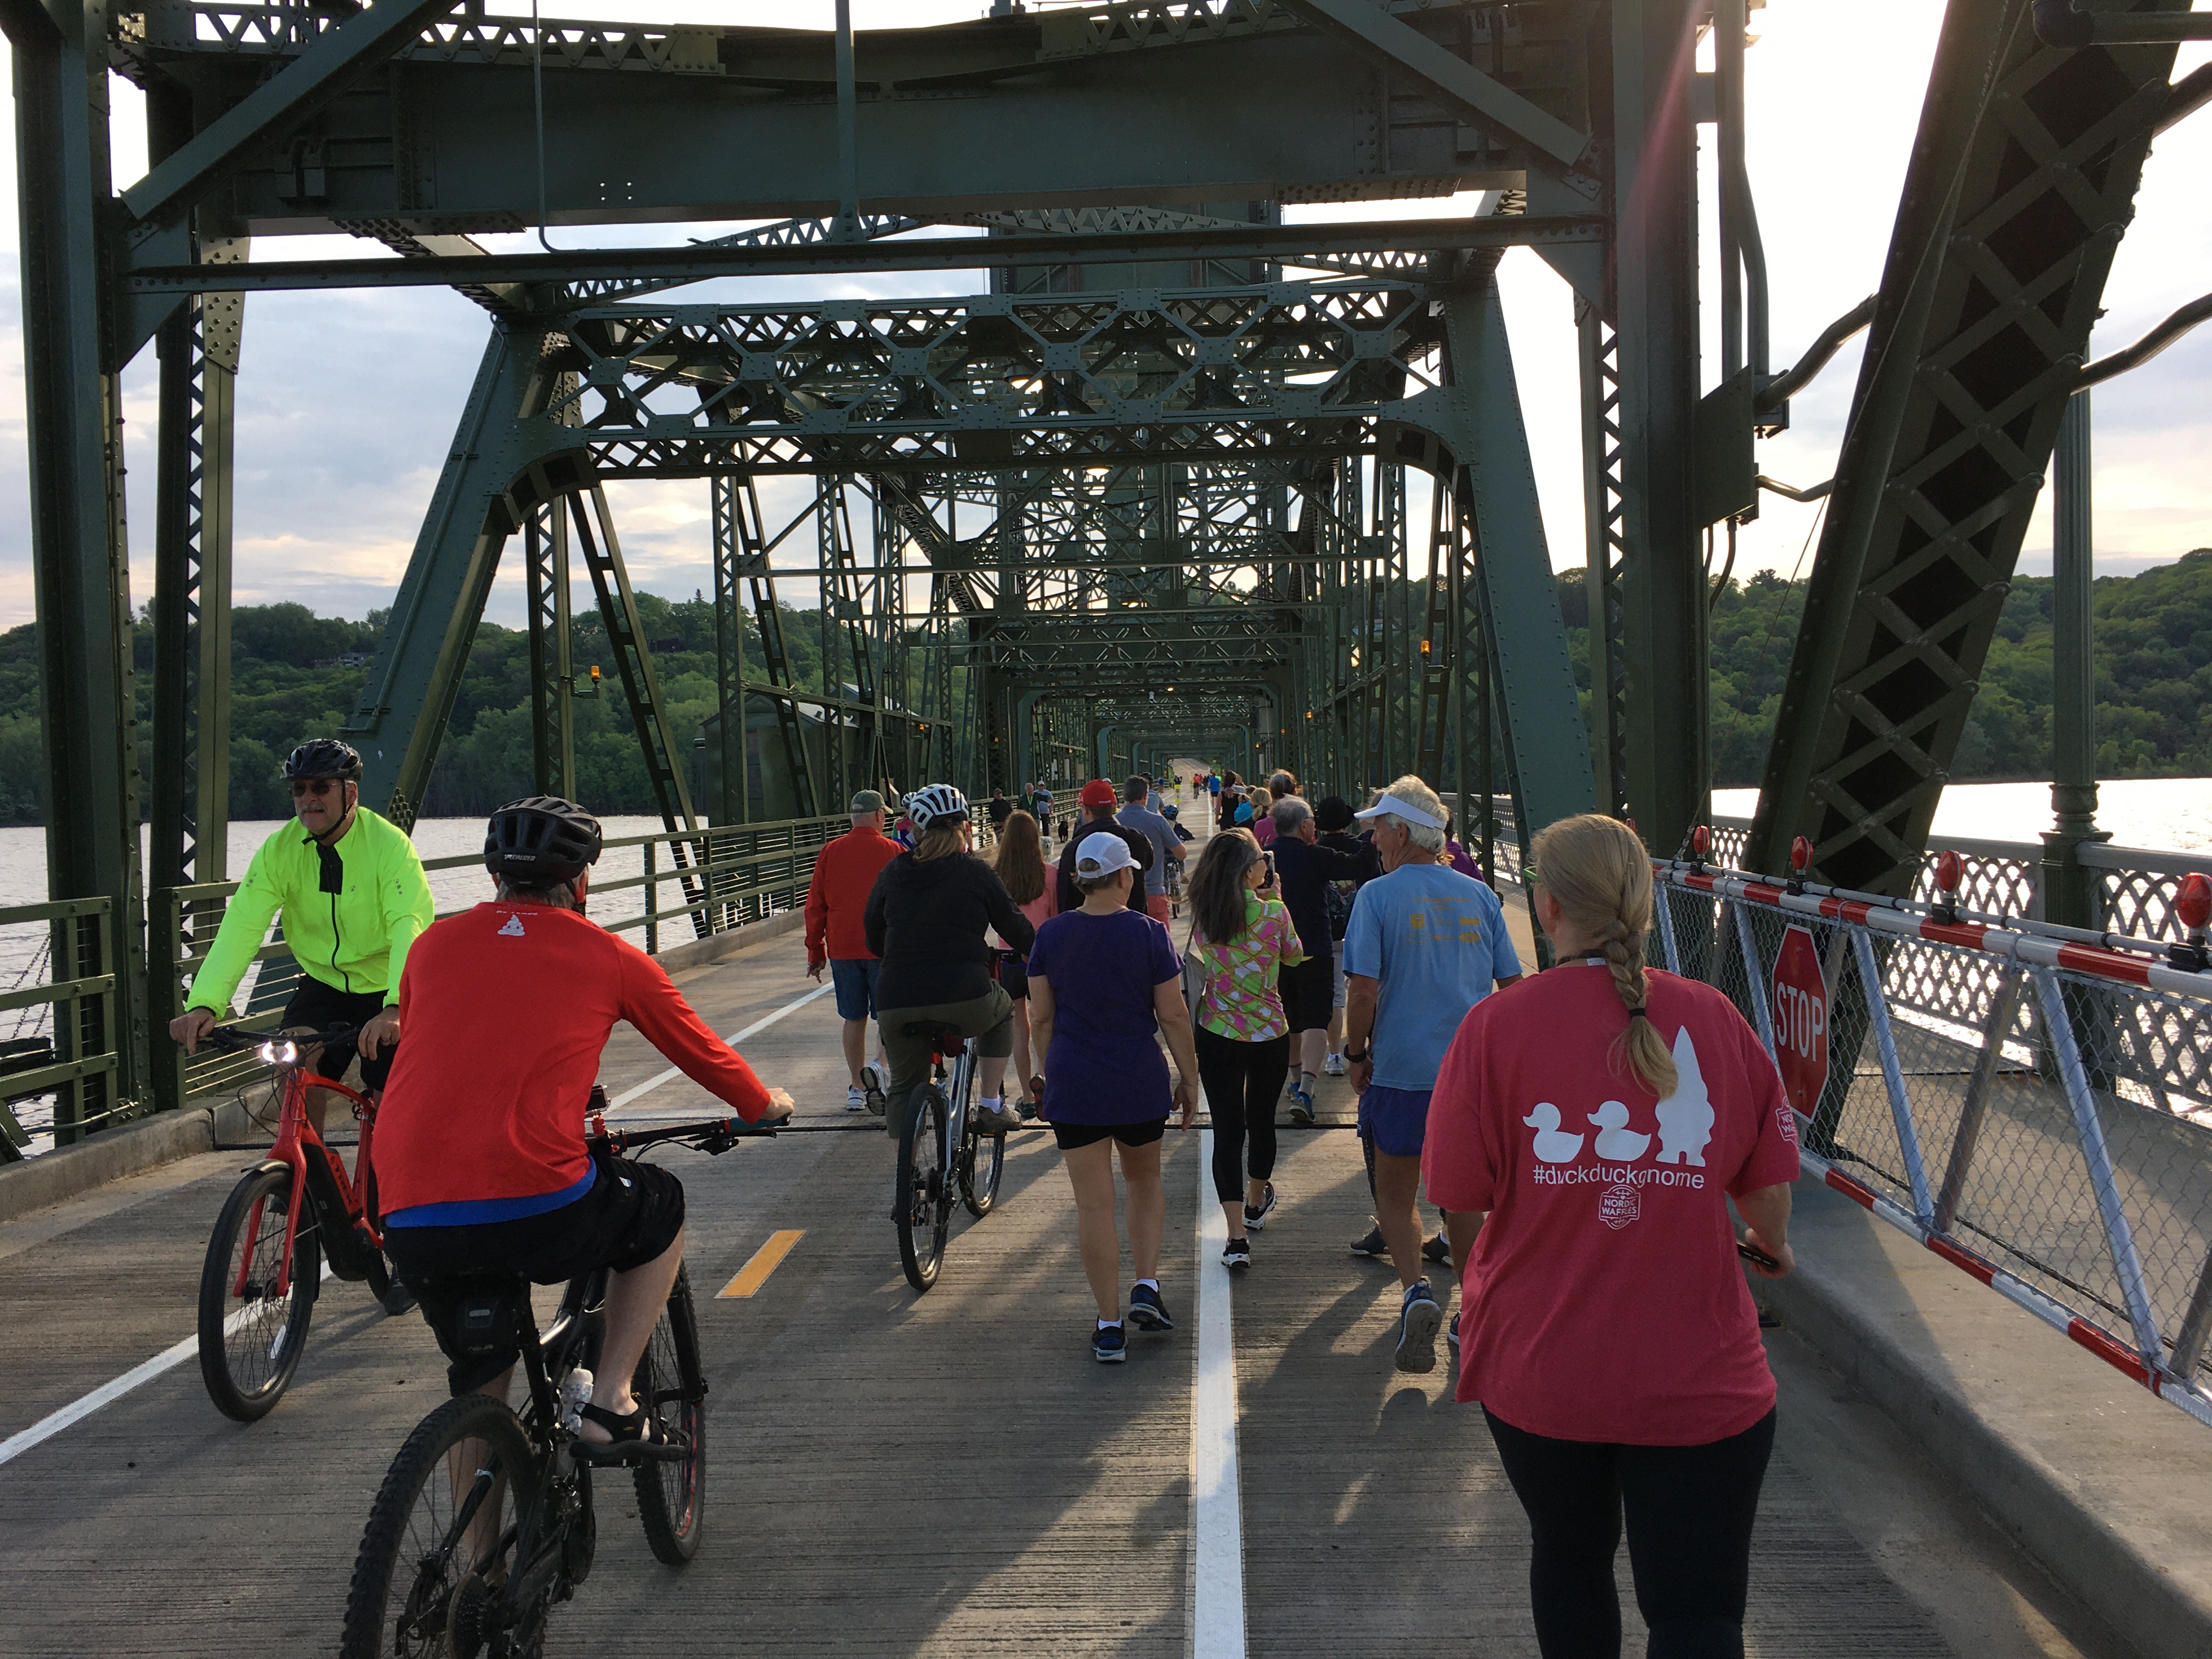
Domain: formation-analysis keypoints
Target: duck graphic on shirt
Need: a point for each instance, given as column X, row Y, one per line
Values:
column 1616, row 1142
column 1685, row 1116
column 1554, row 1144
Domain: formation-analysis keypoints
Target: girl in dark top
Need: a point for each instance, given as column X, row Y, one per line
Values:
column 926, row 918
column 1104, row 986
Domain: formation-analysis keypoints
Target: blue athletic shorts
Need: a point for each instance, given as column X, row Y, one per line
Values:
column 1395, row 1120
column 856, row 987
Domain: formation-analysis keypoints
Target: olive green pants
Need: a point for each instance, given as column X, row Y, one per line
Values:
column 990, row 1018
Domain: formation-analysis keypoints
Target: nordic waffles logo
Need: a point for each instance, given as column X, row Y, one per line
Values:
column 1684, row 1128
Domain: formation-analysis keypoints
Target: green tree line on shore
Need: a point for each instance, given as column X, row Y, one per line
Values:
column 289, row 679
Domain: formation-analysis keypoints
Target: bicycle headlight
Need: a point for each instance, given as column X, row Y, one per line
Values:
column 280, row 1052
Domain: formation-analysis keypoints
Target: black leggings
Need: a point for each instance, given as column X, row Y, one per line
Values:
column 1690, row 1513
column 1242, row 1080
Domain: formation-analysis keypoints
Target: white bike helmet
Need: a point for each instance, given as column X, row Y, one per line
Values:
column 933, row 801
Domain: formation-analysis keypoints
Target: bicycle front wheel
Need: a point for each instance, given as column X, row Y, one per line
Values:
column 251, row 1334
column 980, row 1165
column 920, row 1182
column 672, row 1384
column 442, row 1536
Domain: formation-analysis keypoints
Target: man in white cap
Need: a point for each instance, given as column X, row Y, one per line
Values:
column 1424, row 946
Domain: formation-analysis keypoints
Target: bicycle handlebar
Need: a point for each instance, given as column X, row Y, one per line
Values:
column 713, row 1136
column 276, row 1049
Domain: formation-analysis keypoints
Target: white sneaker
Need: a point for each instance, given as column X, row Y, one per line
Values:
column 1333, row 1066
column 856, row 1099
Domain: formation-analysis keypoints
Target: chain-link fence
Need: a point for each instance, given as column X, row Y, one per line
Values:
column 2040, row 1112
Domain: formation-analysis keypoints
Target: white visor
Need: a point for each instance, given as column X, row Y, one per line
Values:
column 1401, row 808
column 1102, row 854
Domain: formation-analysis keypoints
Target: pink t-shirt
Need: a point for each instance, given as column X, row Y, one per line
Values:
column 1605, row 1300
column 1263, row 828
column 1045, row 905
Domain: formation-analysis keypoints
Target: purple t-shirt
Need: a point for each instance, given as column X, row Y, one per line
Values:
column 1105, row 1066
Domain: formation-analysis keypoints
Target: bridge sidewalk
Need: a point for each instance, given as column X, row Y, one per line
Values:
column 2093, row 1476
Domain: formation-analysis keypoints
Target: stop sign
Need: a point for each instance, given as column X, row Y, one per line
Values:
column 1801, row 1020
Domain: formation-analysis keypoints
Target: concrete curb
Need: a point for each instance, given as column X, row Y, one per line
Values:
column 2084, row 1520
column 701, row 951
column 40, row 1182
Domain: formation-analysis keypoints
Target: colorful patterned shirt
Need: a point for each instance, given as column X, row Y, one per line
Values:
column 1241, row 1001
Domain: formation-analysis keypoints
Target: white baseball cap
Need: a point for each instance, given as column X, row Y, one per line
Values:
column 1403, row 809
column 1102, row 854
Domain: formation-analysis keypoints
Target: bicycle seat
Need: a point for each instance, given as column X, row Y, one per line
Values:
column 480, row 1311
column 945, row 1039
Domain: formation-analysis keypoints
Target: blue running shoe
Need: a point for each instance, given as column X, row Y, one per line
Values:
column 1110, row 1345
column 1417, row 1323
column 1147, row 1312
column 1301, row 1106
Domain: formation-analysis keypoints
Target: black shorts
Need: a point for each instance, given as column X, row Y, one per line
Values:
column 316, row 1006
column 1014, row 975
column 1071, row 1136
column 633, row 1212
column 1307, row 991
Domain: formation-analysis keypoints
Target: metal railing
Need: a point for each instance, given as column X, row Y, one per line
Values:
column 2135, row 886
column 75, row 1060
column 685, row 886
column 2033, row 1103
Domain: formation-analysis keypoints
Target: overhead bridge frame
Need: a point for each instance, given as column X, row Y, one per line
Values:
column 1183, row 468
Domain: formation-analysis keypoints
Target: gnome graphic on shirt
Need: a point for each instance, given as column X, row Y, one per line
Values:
column 1685, row 1116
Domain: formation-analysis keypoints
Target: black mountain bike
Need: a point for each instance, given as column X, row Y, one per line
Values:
column 484, row 1519
column 934, row 1162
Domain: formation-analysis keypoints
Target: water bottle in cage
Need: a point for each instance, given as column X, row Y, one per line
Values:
column 575, row 1394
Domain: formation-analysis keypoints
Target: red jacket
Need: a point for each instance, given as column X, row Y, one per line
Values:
column 506, row 1008
column 845, row 873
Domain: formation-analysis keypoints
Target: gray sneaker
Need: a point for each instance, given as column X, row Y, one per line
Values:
column 999, row 1120
column 1419, row 1321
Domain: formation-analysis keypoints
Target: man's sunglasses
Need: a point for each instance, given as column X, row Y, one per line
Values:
column 313, row 786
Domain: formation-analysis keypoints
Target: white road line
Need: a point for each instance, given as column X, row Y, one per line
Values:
column 1217, row 1625
column 77, row 1410
column 653, row 1083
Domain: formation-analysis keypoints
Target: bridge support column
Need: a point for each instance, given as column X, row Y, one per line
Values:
column 87, row 699
column 2070, row 887
column 1665, row 646
column 1517, row 607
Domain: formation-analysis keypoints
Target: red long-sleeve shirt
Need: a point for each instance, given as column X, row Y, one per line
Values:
column 837, row 897
column 505, row 1011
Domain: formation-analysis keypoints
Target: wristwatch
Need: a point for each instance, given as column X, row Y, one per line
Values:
column 1357, row 1058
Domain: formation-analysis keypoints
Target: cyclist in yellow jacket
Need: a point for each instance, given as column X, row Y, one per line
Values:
column 350, row 887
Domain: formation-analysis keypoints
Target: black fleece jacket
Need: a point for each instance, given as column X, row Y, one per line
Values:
column 927, row 922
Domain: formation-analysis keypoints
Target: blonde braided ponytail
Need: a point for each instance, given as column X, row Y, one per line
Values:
column 1598, row 872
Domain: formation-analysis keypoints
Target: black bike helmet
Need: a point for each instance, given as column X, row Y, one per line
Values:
column 541, row 841
column 324, row 757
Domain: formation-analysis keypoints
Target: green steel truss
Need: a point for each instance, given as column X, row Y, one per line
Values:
column 1187, row 480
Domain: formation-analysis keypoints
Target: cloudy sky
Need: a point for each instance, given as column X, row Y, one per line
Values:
column 347, row 401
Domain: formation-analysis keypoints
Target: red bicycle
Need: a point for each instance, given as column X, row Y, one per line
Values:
column 297, row 1209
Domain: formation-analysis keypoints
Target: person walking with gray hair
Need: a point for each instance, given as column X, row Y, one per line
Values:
column 1593, row 1124
column 1305, row 868
column 1281, row 787
column 1424, row 944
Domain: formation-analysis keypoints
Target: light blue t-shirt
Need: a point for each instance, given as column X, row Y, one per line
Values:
column 1437, row 940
